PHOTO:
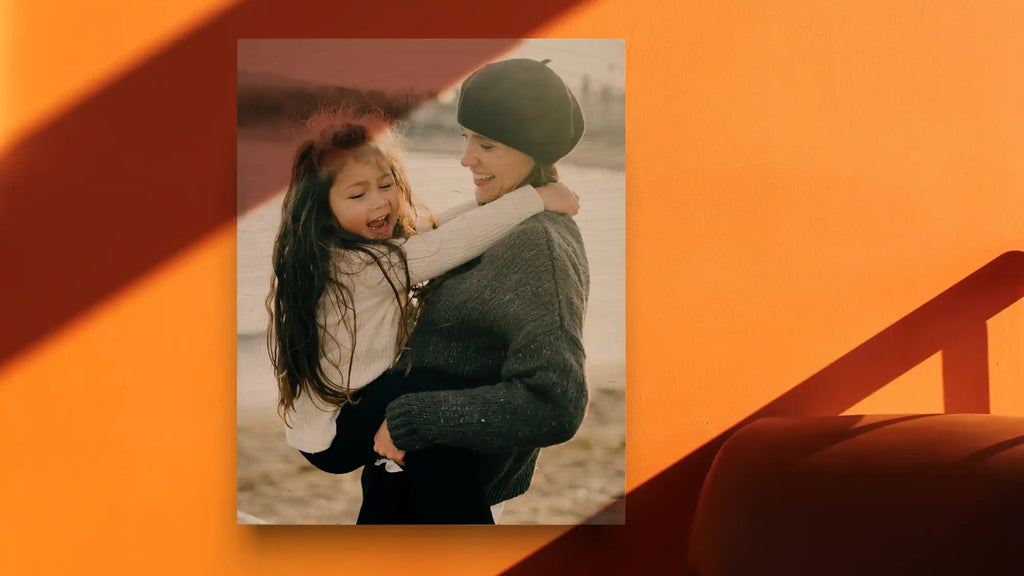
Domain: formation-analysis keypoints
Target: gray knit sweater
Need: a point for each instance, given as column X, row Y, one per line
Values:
column 508, row 327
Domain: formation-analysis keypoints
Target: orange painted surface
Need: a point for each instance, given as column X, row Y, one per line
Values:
column 119, row 452
column 54, row 53
column 801, row 176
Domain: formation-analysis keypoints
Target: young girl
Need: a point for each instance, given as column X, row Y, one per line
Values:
column 345, row 259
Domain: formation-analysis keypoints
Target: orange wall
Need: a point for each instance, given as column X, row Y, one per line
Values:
column 801, row 176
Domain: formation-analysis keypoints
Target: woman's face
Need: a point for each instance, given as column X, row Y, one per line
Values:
column 497, row 169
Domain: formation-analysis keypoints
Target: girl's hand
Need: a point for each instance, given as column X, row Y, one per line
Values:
column 383, row 445
column 558, row 198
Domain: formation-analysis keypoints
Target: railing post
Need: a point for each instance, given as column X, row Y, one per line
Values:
column 965, row 385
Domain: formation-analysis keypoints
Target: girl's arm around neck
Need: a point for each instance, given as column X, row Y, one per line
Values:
column 467, row 236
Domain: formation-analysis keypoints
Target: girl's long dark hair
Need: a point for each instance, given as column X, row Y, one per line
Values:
column 306, row 261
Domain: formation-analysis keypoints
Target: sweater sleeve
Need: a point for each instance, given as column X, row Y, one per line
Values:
column 542, row 396
column 456, row 211
column 540, row 402
column 467, row 236
column 424, row 226
column 309, row 427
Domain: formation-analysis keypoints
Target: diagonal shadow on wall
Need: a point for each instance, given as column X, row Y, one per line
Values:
column 137, row 172
column 662, row 509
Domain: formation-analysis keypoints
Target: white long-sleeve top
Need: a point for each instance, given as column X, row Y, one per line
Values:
column 465, row 232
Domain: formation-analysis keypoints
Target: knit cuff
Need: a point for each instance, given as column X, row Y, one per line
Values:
column 409, row 428
column 311, row 440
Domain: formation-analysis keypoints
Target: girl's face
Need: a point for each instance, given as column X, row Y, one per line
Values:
column 364, row 199
column 496, row 168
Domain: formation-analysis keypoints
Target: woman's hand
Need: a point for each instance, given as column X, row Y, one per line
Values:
column 383, row 445
column 558, row 197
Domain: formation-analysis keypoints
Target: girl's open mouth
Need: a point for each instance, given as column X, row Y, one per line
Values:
column 379, row 222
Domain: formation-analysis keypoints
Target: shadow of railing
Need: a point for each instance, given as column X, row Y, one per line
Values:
column 661, row 510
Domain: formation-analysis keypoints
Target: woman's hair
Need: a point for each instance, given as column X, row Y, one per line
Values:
column 306, row 272
column 540, row 175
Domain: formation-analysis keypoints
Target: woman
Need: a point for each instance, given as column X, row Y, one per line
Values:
column 506, row 328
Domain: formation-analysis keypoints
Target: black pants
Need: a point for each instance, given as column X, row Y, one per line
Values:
column 439, row 486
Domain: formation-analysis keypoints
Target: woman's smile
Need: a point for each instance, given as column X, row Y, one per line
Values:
column 481, row 180
column 496, row 168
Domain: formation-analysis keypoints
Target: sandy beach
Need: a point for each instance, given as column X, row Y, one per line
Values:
column 572, row 482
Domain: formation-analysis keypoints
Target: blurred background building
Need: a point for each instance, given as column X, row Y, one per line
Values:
column 303, row 76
